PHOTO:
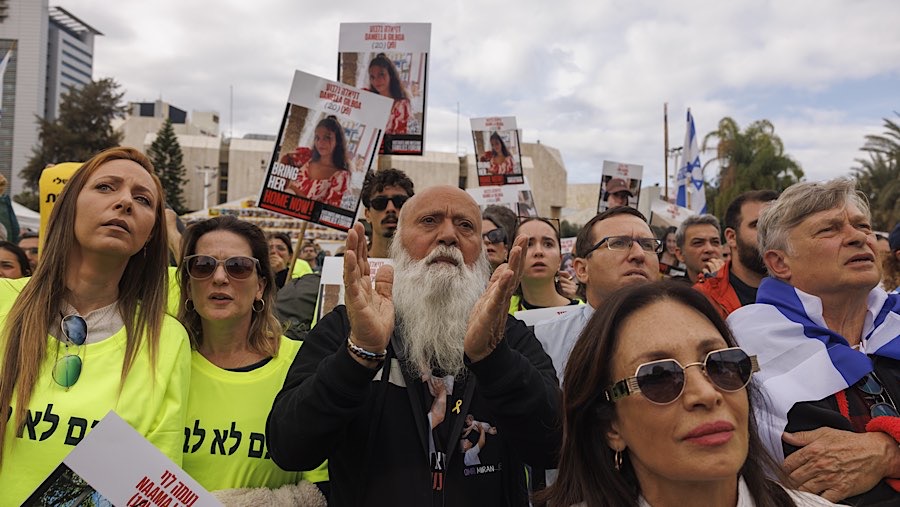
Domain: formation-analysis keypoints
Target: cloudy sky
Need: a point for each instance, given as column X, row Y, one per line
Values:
column 586, row 76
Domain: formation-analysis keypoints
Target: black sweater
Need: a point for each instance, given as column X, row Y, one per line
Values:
column 375, row 434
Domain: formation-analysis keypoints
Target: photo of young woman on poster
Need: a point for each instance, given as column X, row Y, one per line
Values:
column 501, row 162
column 326, row 175
column 385, row 80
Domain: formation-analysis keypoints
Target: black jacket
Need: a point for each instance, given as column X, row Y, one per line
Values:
column 809, row 415
column 375, row 434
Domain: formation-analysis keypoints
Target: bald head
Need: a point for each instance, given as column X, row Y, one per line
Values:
column 442, row 215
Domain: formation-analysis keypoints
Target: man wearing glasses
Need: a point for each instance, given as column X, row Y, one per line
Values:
column 613, row 250
column 828, row 340
column 383, row 194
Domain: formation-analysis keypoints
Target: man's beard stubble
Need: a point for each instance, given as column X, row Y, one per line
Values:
column 750, row 257
column 432, row 304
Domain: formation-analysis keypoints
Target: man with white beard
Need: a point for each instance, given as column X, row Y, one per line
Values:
column 388, row 404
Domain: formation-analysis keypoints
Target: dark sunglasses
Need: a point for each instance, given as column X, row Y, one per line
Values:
column 380, row 203
column 662, row 382
column 201, row 267
column 67, row 369
column 495, row 236
column 875, row 392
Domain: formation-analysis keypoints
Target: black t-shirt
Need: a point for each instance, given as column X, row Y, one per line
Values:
column 745, row 293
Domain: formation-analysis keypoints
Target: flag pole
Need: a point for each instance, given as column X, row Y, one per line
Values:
column 666, row 149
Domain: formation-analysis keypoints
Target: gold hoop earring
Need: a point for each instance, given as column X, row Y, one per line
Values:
column 261, row 307
column 189, row 305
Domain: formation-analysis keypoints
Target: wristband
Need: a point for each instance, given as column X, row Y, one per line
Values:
column 362, row 353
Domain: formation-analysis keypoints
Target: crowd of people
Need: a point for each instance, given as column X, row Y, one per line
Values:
column 673, row 377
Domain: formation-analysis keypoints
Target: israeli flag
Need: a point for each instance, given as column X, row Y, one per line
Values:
column 689, row 180
column 800, row 358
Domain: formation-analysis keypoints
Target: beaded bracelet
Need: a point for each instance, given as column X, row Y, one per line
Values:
column 362, row 353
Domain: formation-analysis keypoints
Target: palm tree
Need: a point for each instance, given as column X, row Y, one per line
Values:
column 753, row 159
column 879, row 176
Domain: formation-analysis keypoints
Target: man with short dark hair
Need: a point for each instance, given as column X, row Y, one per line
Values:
column 734, row 284
column 310, row 253
column 613, row 250
column 383, row 194
column 29, row 242
column 698, row 245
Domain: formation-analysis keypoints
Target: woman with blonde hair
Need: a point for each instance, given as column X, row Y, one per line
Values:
column 88, row 333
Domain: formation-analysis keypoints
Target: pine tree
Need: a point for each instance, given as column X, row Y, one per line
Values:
column 165, row 153
column 82, row 129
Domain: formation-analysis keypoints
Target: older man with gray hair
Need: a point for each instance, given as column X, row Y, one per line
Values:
column 827, row 341
column 389, row 387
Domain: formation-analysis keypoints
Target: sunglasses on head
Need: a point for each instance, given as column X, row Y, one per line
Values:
column 67, row 369
column 380, row 203
column 662, row 382
column 201, row 267
column 495, row 236
column 874, row 391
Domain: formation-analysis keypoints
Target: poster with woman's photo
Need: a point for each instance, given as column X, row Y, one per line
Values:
column 326, row 143
column 620, row 185
column 497, row 151
column 391, row 60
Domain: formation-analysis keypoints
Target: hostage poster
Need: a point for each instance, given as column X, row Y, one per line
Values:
column 620, row 185
column 518, row 198
column 326, row 143
column 115, row 465
column 391, row 60
column 497, row 151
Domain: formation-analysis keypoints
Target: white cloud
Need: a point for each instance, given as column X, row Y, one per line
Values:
column 589, row 78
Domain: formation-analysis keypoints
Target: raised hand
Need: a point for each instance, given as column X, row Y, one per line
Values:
column 567, row 286
column 713, row 265
column 371, row 311
column 487, row 322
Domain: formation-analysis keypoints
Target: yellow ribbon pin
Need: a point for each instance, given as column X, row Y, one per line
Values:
column 456, row 407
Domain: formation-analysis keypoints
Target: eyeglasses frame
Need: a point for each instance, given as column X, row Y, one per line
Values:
column 629, row 385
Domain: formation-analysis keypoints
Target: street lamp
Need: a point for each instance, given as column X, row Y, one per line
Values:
column 207, row 181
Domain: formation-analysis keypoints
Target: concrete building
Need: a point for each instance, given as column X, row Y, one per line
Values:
column 53, row 52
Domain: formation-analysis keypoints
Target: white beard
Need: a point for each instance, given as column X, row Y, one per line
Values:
column 432, row 304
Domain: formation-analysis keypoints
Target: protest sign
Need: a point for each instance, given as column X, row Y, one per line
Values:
column 617, row 179
column 115, row 465
column 326, row 143
column 497, row 150
column 518, row 198
column 391, row 60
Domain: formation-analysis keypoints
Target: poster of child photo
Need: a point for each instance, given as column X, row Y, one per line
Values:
column 499, row 158
column 391, row 60
column 327, row 142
